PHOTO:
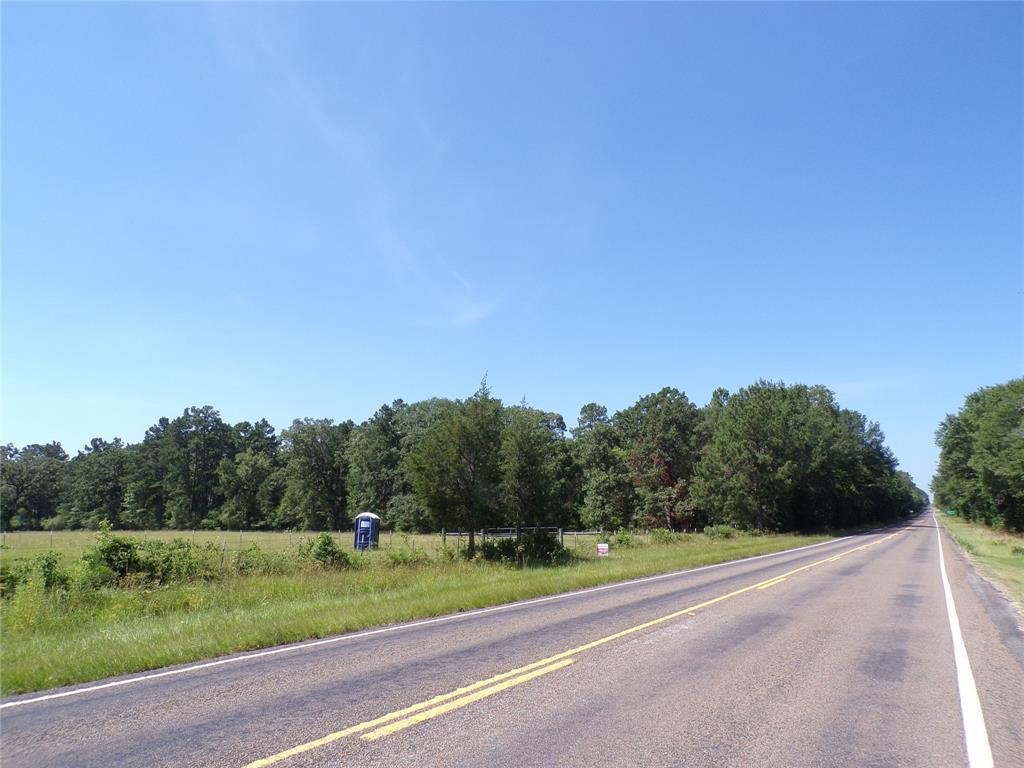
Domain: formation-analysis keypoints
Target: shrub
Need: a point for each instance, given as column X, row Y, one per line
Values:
column 13, row 576
column 532, row 548
column 623, row 539
column 253, row 560
column 324, row 550
column 50, row 571
column 124, row 559
column 407, row 557
column 499, row 550
column 118, row 553
column 543, row 547
column 93, row 574
column 46, row 570
column 179, row 561
column 720, row 531
column 662, row 536
column 447, row 554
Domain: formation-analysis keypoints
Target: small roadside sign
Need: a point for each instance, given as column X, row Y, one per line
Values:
column 602, row 550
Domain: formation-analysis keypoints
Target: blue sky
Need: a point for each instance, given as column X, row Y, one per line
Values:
column 311, row 209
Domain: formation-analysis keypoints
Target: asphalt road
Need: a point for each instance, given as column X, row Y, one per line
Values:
column 835, row 655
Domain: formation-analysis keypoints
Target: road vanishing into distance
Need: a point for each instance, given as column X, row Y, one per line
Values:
column 839, row 654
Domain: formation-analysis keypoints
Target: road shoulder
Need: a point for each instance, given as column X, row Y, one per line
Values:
column 968, row 538
column 995, row 645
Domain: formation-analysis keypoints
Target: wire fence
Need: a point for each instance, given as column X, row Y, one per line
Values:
column 570, row 539
column 73, row 543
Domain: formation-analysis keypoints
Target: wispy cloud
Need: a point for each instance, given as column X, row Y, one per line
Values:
column 472, row 314
column 265, row 53
column 458, row 303
column 465, row 305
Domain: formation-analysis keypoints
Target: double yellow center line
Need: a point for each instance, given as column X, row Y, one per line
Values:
column 401, row 719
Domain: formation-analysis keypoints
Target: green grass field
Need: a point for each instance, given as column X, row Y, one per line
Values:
column 1000, row 555
column 67, row 637
column 71, row 544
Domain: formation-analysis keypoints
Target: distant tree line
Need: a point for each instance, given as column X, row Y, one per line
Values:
column 981, row 464
column 769, row 457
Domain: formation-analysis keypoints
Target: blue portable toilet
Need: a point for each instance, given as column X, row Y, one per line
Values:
column 367, row 530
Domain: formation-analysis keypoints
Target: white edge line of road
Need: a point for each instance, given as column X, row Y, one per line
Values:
column 397, row 627
column 979, row 753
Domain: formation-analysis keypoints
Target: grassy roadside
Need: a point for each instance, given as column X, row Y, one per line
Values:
column 999, row 555
column 58, row 639
column 71, row 544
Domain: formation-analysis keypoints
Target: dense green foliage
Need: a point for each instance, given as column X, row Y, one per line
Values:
column 981, row 464
column 768, row 457
column 789, row 458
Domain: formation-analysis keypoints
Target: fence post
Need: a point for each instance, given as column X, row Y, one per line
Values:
column 444, row 538
column 561, row 538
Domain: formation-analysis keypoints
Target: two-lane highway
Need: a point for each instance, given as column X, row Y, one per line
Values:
column 837, row 654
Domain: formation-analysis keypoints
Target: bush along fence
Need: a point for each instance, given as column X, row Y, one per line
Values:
column 113, row 560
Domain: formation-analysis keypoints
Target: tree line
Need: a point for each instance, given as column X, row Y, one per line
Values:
column 981, row 462
column 768, row 457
